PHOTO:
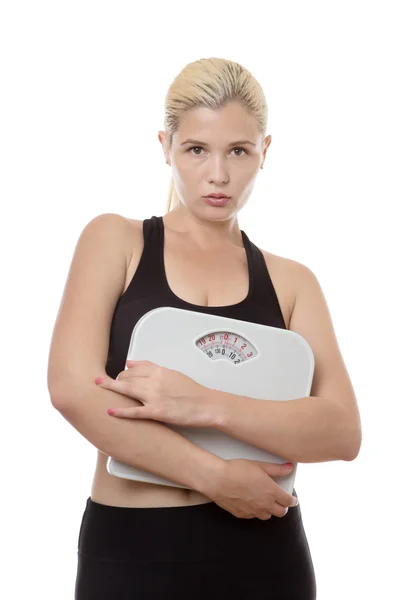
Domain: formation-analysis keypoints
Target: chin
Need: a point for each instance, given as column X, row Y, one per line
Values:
column 222, row 214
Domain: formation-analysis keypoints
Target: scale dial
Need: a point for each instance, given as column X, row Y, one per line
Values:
column 226, row 345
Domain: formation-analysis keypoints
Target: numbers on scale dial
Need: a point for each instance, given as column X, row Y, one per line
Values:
column 225, row 345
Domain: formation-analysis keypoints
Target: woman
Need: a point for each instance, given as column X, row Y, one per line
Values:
column 230, row 531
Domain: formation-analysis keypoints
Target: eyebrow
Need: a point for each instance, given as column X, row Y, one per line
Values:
column 205, row 144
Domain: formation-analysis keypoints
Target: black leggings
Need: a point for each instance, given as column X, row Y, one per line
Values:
column 198, row 552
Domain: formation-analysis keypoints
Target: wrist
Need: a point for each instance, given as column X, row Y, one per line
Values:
column 220, row 406
column 209, row 473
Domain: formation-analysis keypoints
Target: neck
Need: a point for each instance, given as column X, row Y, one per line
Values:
column 205, row 233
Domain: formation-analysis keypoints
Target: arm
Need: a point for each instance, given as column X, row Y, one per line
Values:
column 78, row 354
column 321, row 427
column 146, row 444
column 310, row 429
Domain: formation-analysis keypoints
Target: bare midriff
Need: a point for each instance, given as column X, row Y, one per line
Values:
column 115, row 491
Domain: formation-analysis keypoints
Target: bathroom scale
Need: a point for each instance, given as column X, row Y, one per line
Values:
column 229, row 355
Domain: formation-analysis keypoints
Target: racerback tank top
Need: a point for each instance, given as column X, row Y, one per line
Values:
column 149, row 289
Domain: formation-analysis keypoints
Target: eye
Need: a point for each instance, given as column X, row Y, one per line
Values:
column 193, row 148
column 239, row 148
column 236, row 148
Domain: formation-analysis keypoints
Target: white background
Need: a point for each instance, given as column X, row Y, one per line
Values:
column 83, row 86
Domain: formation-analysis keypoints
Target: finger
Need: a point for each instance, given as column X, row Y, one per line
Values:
column 132, row 363
column 265, row 516
column 130, row 413
column 137, row 369
column 278, row 510
column 284, row 498
column 122, row 387
column 132, row 372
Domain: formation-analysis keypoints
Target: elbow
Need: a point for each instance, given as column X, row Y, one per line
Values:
column 350, row 433
column 60, row 397
column 59, row 402
column 354, row 446
column 353, row 453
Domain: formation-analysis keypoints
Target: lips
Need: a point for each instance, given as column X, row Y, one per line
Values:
column 217, row 201
column 217, row 196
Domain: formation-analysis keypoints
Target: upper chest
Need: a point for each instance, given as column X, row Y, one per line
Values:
column 212, row 278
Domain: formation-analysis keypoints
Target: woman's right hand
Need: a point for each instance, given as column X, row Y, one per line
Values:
column 246, row 489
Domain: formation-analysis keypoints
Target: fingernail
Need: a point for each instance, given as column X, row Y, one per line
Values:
column 288, row 465
column 111, row 411
column 99, row 379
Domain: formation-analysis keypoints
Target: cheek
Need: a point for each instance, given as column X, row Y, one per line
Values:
column 184, row 171
column 249, row 186
column 189, row 180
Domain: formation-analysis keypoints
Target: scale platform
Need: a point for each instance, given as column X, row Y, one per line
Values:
column 230, row 355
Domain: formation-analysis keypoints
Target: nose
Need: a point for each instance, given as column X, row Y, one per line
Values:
column 218, row 172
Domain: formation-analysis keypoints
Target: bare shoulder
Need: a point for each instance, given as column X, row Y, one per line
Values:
column 286, row 275
column 111, row 221
column 129, row 229
column 282, row 262
column 298, row 285
column 286, row 269
column 135, row 224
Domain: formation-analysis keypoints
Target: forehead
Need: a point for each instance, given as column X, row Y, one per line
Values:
column 232, row 121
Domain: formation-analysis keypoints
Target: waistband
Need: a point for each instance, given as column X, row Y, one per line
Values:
column 177, row 533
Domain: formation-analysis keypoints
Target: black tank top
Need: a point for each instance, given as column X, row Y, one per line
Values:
column 149, row 289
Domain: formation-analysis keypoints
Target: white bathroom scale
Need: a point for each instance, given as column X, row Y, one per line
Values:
column 229, row 355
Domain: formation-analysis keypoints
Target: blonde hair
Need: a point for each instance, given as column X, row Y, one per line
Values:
column 211, row 82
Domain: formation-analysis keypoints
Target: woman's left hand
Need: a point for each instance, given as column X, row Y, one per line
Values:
column 167, row 395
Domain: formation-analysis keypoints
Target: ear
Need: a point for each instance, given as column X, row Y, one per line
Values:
column 267, row 142
column 163, row 140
